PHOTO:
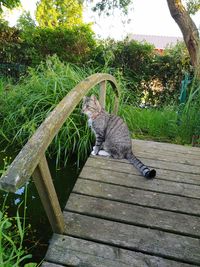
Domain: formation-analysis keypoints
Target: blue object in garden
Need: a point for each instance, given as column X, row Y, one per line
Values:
column 184, row 85
column 183, row 95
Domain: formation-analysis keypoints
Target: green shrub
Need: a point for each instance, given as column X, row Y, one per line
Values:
column 144, row 68
column 31, row 45
column 73, row 45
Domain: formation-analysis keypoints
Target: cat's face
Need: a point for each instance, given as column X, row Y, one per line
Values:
column 90, row 106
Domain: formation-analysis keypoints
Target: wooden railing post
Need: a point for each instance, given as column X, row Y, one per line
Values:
column 116, row 105
column 44, row 184
column 102, row 95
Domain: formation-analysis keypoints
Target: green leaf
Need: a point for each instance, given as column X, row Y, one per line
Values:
column 7, row 224
column 30, row 264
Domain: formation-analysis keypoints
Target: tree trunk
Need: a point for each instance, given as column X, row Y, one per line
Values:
column 189, row 31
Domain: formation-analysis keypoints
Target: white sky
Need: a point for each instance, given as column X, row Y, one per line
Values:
column 149, row 17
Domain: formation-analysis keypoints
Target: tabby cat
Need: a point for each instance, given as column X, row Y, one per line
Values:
column 112, row 135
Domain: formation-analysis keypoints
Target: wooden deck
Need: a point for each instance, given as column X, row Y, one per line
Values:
column 116, row 218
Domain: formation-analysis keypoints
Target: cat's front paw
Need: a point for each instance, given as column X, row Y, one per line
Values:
column 93, row 153
column 103, row 153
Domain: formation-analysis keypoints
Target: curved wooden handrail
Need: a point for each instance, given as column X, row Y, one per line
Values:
column 33, row 152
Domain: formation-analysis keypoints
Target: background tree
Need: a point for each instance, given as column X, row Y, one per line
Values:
column 188, row 29
column 25, row 22
column 181, row 17
column 53, row 13
column 193, row 6
column 9, row 4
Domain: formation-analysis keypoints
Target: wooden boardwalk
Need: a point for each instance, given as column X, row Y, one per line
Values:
column 116, row 218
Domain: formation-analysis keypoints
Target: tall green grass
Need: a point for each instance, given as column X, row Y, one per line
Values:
column 154, row 124
column 12, row 234
column 191, row 111
column 174, row 124
column 25, row 106
column 13, row 230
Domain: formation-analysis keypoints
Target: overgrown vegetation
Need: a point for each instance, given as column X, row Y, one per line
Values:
column 44, row 64
column 24, row 106
column 13, row 229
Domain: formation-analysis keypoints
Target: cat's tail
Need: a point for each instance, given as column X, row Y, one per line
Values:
column 144, row 170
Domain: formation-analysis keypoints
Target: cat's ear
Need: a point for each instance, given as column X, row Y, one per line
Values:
column 93, row 97
column 84, row 98
column 96, row 101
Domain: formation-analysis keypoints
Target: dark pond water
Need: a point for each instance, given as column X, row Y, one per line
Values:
column 38, row 236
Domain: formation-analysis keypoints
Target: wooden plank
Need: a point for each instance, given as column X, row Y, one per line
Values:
column 44, row 184
column 178, row 176
column 169, row 157
column 124, row 167
column 138, row 197
column 137, row 215
column 102, row 94
column 184, row 168
column 155, row 185
column 71, row 251
column 154, row 242
column 50, row 264
column 165, row 146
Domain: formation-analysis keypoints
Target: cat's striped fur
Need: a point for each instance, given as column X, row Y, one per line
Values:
column 112, row 135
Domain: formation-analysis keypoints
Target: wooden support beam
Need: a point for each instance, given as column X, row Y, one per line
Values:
column 44, row 184
column 102, row 95
column 116, row 105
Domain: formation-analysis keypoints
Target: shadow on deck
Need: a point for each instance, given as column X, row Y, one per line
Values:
column 116, row 218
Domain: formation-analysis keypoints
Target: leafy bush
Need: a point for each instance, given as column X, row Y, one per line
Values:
column 73, row 45
column 169, row 69
column 30, row 45
column 11, row 44
column 157, row 77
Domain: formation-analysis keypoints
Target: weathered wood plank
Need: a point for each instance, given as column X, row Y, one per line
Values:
column 78, row 252
column 157, row 243
column 165, row 147
column 169, row 157
column 125, row 166
column 50, row 264
column 44, row 184
column 132, row 214
column 137, row 196
column 136, row 181
column 157, row 152
column 102, row 94
column 184, row 168
column 178, row 176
